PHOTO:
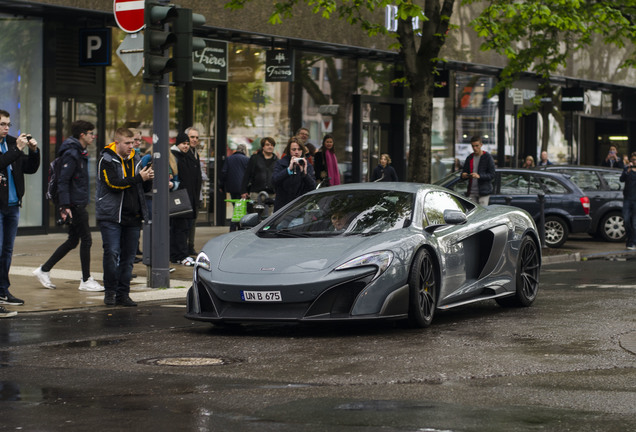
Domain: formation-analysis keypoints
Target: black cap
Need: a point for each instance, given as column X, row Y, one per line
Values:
column 182, row 137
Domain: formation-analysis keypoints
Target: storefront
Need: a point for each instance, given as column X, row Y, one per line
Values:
column 343, row 90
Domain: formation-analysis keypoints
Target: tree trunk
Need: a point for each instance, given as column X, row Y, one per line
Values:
column 420, row 54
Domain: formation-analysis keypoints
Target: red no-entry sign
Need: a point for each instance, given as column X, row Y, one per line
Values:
column 129, row 14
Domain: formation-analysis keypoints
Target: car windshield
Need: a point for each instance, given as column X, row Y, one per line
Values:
column 333, row 213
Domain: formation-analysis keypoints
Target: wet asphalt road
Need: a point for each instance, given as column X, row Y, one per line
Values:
column 565, row 364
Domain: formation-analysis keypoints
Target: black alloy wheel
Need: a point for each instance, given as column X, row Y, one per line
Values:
column 527, row 276
column 423, row 289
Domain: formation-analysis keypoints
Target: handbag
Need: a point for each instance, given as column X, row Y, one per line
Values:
column 179, row 203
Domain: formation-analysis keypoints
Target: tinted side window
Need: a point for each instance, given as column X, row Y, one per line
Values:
column 553, row 186
column 435, row 203
column 518, row 184
column 612, row 180
column 586, row 180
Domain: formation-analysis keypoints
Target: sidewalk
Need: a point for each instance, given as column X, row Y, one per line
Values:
column 31, row 252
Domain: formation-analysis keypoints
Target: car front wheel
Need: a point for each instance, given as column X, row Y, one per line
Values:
column 612, row 227
column 423, row 289
column 556, row 231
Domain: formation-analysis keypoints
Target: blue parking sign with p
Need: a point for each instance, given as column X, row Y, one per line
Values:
column 95, row 47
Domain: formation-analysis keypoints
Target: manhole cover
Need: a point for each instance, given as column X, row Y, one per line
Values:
column 188, row 361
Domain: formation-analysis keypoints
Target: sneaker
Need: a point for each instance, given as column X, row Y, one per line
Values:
column 187, row 261
column 125, row 301
column 6, row 314
column 43, row 277
column 90, row 284
column 631, row 247
column 11, row 300
column 109, row 298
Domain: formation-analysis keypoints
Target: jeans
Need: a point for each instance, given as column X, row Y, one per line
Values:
column 120, row 246
column 629, row 219
column 9, row 220
column 78, row 230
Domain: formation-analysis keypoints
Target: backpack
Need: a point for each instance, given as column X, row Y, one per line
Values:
column 54, row 176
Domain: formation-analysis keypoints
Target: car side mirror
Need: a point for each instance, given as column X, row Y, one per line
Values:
column 454, row 217
column 250, row 220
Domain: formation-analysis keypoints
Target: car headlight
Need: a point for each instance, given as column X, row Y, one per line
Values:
column 381, row 260
column 202, row 261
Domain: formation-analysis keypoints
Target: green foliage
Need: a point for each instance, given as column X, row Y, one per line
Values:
column 540, row 36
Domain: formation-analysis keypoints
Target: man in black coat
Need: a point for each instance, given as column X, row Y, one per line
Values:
column 13, row 165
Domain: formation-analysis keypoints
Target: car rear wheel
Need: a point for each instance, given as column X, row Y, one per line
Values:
column 527, row 276
column 423, row 289
column 612, row 227
column 556, row 231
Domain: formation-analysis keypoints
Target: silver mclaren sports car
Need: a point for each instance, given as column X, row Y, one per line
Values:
column 367, row 251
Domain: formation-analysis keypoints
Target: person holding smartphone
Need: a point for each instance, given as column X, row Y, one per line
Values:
column 293, row 176
column 14, row 163
column 613, row 159
column 629, row 201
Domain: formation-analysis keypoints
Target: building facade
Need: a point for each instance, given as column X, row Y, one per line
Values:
column 73, row 62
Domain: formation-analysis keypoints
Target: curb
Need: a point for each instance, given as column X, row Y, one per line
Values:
column 558, row 259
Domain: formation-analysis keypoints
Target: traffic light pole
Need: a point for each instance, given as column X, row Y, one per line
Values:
column 160, row 260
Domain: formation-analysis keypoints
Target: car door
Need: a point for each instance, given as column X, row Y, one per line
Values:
column 519, row 189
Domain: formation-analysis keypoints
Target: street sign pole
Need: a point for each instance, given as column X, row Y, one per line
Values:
column 160, row 262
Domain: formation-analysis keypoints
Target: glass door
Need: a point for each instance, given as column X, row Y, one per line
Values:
column 63, row 111
column 205, row 105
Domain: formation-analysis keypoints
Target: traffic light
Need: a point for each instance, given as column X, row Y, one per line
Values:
column 157, row 39
column 185, row 45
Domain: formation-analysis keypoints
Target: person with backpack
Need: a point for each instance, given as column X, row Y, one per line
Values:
column 68, row 188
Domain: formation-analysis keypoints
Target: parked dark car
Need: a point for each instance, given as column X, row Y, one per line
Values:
column 605, row 191
column 566, row 207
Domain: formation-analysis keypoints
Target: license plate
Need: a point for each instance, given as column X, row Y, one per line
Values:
column 261, row 296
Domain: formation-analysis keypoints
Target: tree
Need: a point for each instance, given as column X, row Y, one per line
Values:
column 533, row 35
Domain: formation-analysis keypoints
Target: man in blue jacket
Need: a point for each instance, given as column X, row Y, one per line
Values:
column 13, row 165
column 120, row 208
column 479, row 169
column 73, row 198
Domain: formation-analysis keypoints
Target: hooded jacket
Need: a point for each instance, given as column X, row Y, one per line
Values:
column 20, row 164
column 120, row 188
column 72, row 188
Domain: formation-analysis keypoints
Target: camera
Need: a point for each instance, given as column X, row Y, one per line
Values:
column 67, row 221
column 29, row 138
column 300, row 161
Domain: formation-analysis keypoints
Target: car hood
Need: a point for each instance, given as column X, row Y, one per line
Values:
column 250, row 254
